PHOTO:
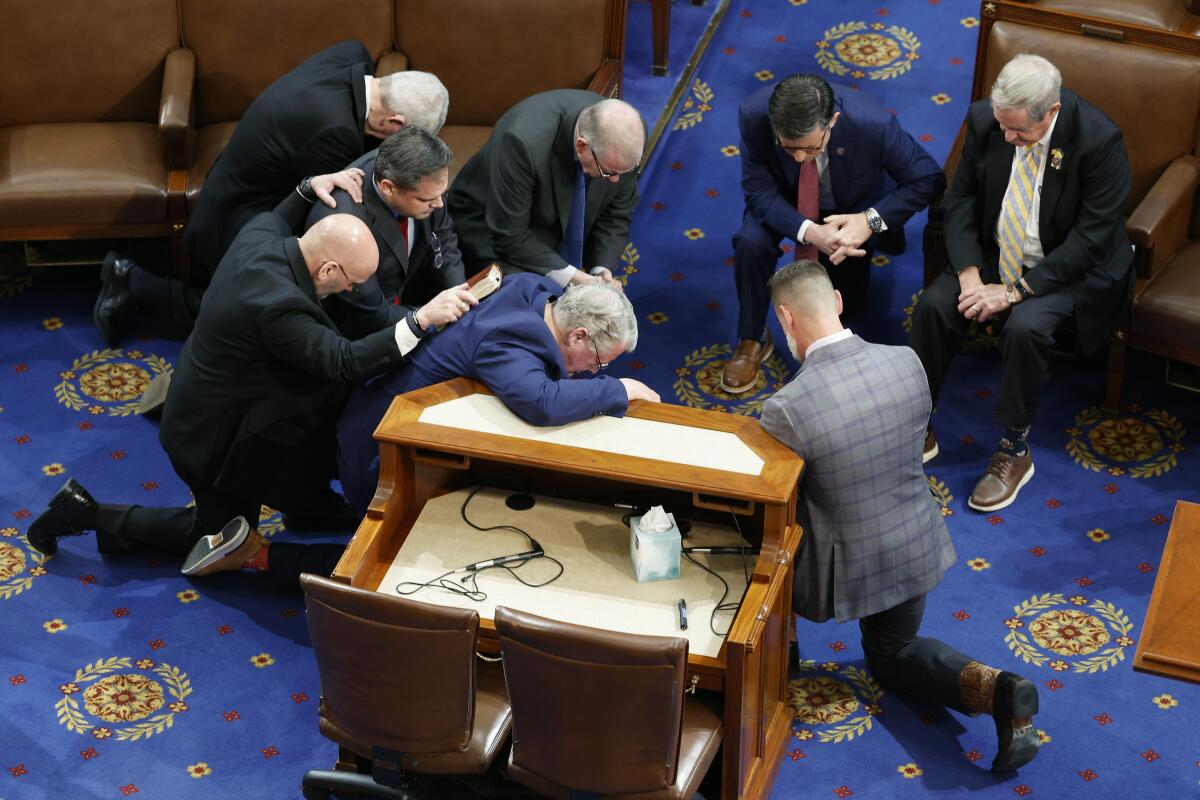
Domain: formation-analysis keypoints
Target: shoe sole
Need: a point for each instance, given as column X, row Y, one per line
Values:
column 1025, row 742
column 211, row 549
column 1012, row 497
column 930, row 455
column 742, row 389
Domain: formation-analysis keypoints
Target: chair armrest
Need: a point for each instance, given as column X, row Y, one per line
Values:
column 175, row 108
column 391, row 61
column 1160, row 221
column 607, row 80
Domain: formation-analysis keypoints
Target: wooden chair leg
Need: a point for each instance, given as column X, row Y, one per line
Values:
column 660, row 26
column 1115, row 381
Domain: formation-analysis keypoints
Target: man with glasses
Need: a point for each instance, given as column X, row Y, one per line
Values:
column 553, row 190
column 828, row 168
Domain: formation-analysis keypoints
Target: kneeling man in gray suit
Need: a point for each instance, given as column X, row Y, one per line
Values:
column 874, row 540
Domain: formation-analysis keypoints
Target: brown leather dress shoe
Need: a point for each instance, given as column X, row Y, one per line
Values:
column 931, row 447
column 1012, row 701
column 1004, row 478
column 742, row 369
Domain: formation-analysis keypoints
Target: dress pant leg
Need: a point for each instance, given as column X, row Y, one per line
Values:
column 1025, row 342
column 137, row 529
column 904, row 662
column 755, row 254
column 937, row 329
column 174, row 303
column 287, row 561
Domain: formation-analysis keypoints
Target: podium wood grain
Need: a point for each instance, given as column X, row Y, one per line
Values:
column 1170, row 640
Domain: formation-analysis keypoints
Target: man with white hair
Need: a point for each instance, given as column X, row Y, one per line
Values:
column 554, row 188
column 313, row 121
column 1035, row 234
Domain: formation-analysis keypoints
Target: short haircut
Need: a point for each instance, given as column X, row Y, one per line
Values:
column 419, row 96
column 410, row 155
column 604, row 312
column 800, row 105
column 1029, row 82
column 613, row 126
column 804, row 286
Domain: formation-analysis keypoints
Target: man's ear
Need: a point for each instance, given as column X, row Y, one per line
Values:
column 833, row 120
column 786, row 320
column 837, row 300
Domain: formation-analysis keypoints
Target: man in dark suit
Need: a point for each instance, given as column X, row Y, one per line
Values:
column 553, row 190
column 1035, row 233
column 875, row 542
column 830, row 169
column 257, row 385
column 404, row 181
column 524, row 343
column 312, row 121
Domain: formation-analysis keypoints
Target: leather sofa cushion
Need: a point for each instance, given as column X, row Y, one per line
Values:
column 1165, row 14
column 464, row 141
column 82, row 174
column 1168, row 308
column 210, row 141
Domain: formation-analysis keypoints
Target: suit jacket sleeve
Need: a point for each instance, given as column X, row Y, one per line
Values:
column 452, row 272
column 960, row 207
column 775, row 421
column 764, row 200
column 297, row 337
column 918, row 177
column 509, row 199
column 610, row 231
column 518, row 376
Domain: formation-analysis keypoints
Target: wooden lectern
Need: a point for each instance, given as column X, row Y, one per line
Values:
column 455, row 435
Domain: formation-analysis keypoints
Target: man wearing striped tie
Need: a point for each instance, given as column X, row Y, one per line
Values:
column 1035, row 234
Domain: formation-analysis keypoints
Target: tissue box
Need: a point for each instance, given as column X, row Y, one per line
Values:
column 655, row 556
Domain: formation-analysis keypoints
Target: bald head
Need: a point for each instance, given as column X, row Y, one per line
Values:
column 614, row 129
column 340, row 253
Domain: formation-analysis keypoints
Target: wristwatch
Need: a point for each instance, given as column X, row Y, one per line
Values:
column 305, row 190
column 1010, row 293
column 874, row 221
column 1023, row 291
column 415, row 327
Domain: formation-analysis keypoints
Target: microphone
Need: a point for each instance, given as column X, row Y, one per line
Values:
column 723, row 550
column 528, row 555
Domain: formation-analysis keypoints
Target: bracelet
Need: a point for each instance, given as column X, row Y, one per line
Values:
column 305, row 190
column 414, row 326
column 1020, row 284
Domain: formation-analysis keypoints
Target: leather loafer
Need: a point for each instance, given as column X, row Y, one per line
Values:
column 742, row 369
column 155, row 395
column 114, row 300
column 1005, row 476
column 71, row 512
column 930, row 451
column 1013, row 706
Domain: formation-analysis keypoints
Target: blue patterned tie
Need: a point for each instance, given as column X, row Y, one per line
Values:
column 1018, row 203
column 571, row 248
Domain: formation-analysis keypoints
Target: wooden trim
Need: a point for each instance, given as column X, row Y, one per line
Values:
column 1081, row 25
column 144, row 230
column 607, row 80
column 1170, row 640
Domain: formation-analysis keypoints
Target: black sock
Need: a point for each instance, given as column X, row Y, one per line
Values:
column 1013, row 441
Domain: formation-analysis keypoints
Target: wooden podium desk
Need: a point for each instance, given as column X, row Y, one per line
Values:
column 701, row 465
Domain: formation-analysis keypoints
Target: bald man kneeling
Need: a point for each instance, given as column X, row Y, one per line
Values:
column 249, row 418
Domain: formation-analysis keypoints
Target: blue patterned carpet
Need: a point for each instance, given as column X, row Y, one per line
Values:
column 120, row 677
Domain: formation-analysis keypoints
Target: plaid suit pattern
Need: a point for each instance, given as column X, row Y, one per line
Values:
column 874, row 537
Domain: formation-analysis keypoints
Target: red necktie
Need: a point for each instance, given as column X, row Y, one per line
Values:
column 808, row 203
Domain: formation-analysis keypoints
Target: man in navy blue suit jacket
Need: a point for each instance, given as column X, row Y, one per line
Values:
column 863, row 175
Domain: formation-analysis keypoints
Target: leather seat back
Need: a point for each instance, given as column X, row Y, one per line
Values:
column 1168, row 15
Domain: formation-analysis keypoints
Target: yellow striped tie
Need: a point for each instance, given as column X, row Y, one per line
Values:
column 1018, row 201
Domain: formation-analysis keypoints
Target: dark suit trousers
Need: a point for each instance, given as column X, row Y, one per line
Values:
column 755, row 254
column 135, row 529
column 902, row 661
column 286, row 561
column 174, row 303
column 1025, row 340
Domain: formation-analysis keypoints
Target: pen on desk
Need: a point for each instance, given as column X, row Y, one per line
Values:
column 683, row 615
column 623, row 505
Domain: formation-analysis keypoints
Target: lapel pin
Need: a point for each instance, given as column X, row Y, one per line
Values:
column 1056, row 157
column 841, row 151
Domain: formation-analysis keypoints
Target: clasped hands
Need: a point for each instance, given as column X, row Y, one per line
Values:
column 980, row 301
column 840, row 237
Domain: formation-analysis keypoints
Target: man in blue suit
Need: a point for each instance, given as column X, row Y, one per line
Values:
column 830, row 169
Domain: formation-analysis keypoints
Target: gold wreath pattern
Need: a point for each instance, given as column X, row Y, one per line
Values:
column 1139, row 443
column 838, row 702
column 941, row 495
column 108, row 381
column 975, row 340
column 114, row 694
column 629, row 259
column 20, row 564
column 1083, row 642
column 698, row 382
column 877, row 51
column 695, row 107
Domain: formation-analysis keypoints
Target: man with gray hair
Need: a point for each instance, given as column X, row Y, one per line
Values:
column 553, row 190
column 874, row 540
column 1035, row 234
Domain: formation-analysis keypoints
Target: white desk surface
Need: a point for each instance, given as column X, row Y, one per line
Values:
column 597, row 587
column 627, row 436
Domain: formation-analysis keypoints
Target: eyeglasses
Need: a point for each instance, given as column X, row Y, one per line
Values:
column 351, row 286
column 436, row 245
column 601, row 170
column 600, row 365
column 808, row 151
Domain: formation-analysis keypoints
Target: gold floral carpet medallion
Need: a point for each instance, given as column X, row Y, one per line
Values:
column 109, row 381
column 123, row 699
column 698, row 382
column 19, row 563
column 1140, row 443
column 832, row 702
column 876, row 51
column 1069, row 633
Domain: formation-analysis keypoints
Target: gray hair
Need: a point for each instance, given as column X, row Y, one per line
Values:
column 1029, row 82
column 419, row 96
column 613, row 126
column 805, row 287
column 604, row 312
column 799, row 105
column 408, row 156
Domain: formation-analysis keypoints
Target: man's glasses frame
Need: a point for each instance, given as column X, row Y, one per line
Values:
column 351, row 286
column 808, row 151
column 600, row 365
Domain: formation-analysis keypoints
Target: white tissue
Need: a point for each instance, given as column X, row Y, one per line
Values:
column 656, row 520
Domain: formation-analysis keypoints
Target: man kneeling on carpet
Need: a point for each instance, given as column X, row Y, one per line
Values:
column 524, row 343
column 875, row 542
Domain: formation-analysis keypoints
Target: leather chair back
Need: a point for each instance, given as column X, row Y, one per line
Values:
column 593, row 710
column 1167, row 15
column 395, row 673
column 492, row 53
column 242, row 47
column 84, row 60
column 1152, row 95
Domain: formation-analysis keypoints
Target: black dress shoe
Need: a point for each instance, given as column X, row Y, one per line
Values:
column 114, row 300
column 72, row 512
column 1013, row 706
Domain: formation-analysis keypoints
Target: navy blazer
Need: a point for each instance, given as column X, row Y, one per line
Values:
column 503, row 343
column 873, row 162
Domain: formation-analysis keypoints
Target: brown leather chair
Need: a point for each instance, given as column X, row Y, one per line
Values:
column 400, row 688
column 1178, row 16
column 602, row 712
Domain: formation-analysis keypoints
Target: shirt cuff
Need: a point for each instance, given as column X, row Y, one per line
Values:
column 803, row 227
column 562, row 276
column 405, row 339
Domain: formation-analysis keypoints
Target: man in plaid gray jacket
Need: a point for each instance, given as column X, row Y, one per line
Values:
column 874, row 541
